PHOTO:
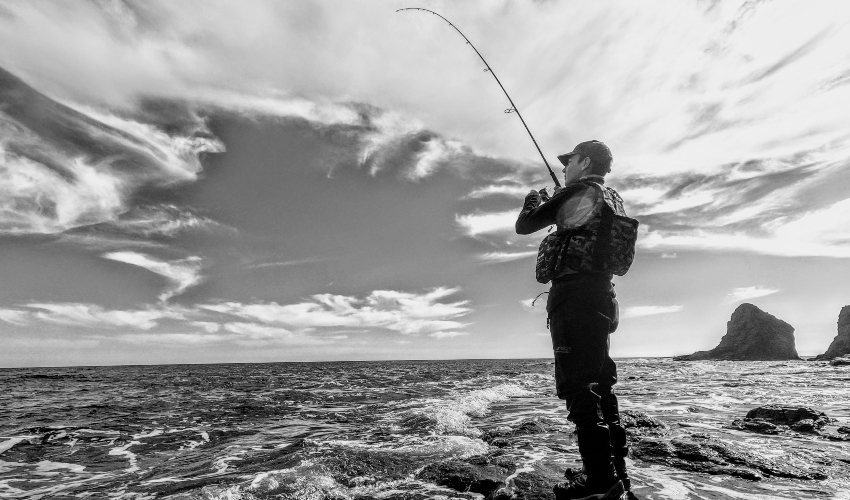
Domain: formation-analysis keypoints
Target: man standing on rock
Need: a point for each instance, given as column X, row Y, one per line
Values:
column 582, row 312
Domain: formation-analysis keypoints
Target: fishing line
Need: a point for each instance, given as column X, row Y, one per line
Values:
column 513, row 108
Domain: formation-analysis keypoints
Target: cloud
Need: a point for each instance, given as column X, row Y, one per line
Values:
column 497, row 257
column 756, row 88
column 640, row 311
column 512, row 191
column 14, row 316
column 758, row 93
column 162, row 221
column 787, row 207
column 324, row 319
column 447, row 335
column 157, row 339
column 207, row 326
column 182, row 274
column 63, row 168
column 488, row 223
column 253, row 332
column 403, row 312
column 534, row 305
column 94, row 316
column 750, row 292
column 285, row 263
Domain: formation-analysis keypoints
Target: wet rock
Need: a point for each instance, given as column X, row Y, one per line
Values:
column 638, row 423
column 840, row 362
column 483, row 474
column 778, row 419
column 751, row 335
column 500, row 442
column 352, row 467
column 633, row 418
column 757, row 426
column 840, row 345
column 703, row 453
column 527, row 486
column 844, row 429
column 788, row 415
column 524, row 428
column 806, row 425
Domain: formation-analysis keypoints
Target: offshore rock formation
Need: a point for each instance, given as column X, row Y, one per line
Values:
column 840, row 345
column 751, row 335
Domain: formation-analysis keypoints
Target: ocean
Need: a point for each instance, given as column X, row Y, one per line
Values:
column 366, row 430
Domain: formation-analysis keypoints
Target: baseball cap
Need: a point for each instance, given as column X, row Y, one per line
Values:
column 594, row 149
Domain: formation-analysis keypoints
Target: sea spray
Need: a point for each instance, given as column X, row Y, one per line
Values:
column 454, row 416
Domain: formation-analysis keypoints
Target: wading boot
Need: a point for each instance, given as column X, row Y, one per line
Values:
column 600, row 480
column 584, row 489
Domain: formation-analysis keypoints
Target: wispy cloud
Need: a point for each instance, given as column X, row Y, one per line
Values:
column 497, row 257
column 182, row 274
column 509, row 190
column 534, row 305
column 164, row 220
column 254, row 332
column 284, row 263
column 403, row 312
column 94, row 316
column 323, row 319
column 14, row 316
column 640, row 311
column 447, row 334
column 487, row 223
column 750, row 292
column 63, row 168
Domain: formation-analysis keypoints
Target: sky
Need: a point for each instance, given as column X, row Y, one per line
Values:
column 259, row 181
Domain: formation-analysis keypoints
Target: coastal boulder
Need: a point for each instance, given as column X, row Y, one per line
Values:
column 751, row 335
column 840, row 345
column 480, row 474
column 776, row 419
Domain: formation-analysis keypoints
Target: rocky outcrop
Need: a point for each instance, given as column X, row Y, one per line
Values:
column 700, row 452
column 778, row 419
column 751, row 335
column 840, row 345
column 481, row 474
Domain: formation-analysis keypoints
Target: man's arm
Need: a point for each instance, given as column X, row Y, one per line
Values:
column 534, row 216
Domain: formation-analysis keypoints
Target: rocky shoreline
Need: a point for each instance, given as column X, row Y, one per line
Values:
column 495, row 476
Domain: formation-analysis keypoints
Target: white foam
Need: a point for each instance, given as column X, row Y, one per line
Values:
column 6, row 445
column 454, row 416
column 428, row 446
column 131, row 457
column 221, row 464
column 48, row 466
column 155, row 432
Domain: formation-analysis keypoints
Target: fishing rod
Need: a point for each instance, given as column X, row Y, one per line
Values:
column 513, row 108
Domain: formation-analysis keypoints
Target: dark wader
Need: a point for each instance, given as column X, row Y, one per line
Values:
column 581, row 309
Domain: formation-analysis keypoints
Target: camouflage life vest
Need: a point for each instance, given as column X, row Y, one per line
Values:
column 603, row 244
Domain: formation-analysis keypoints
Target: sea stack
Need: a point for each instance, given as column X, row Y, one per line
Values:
column 751, row 335
column 840, row 345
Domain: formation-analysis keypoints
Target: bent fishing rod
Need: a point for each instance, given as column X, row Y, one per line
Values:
column 513, row 108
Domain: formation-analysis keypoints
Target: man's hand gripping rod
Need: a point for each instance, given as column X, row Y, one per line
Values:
column 513, row 108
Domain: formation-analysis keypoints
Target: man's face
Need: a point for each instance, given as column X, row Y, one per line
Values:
column 572, row 170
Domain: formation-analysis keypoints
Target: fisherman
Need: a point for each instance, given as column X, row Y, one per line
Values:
column 582, row 312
